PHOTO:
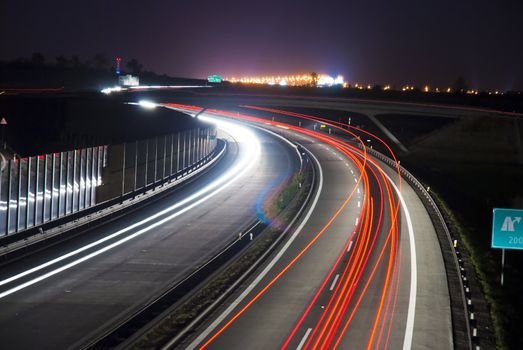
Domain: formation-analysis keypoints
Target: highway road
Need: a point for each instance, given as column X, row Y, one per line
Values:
column 363, row 269
column 56, row 300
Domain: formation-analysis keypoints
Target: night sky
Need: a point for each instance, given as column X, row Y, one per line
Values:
column 398, row 42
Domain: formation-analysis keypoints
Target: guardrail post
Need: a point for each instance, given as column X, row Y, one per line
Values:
column 123, row 172
column 178, row 153
column 164, row 156
column 73, row 182
column 60, row 177
column 135, row 165
column 94, row 179
column 86, row 164
column 206, row 144
column 51, row 206
column 172, row 149
column 17, row 226
column 194, row 146
column 8, row 210
column 28, row 190
column 66, row 196
column 44, row 191
column 37, row 173
column 99, row 164
column 199, row 144
column 155, row 160
column 146, row 163
column 183, row 154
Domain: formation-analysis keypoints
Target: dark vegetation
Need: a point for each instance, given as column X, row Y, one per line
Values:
column 74, row 74
column 508, row 102
column 471, row 165
column 51, row 123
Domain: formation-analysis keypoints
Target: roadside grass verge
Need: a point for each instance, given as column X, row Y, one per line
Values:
column 484, row 267
column 282, row 207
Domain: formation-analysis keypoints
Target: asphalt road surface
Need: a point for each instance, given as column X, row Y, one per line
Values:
column 364, row 269
column 68, row 308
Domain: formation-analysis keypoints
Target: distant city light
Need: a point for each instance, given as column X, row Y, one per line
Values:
column 110, row 90
column 290, row 80
column 147, row 104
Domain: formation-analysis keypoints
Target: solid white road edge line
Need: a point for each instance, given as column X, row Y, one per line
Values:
column 411, row 313
column 267, row 268
column 238, row 170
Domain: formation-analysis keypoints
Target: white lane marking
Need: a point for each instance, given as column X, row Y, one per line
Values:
column 411, row 313
column 334, row 282
column 355, row 180
column 304, row 339
column 358, row 190
column 266, row 270
column 356, row 223
column 102, row 240
column 253, row 152
column 352, row 171
column 359, row 204
column 350, row 246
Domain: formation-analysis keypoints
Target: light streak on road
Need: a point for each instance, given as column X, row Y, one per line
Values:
column 413, row 280
column 249, row 155
column 351, row 287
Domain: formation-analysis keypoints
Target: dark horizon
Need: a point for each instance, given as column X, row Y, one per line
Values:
column 378, row 43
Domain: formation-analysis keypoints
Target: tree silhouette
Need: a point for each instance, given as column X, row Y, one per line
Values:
column 75, row 61
column 134, row 66
column 38, row 59
column 460, row 84
column 314, row 78
column 100, row 61
column 61, row 61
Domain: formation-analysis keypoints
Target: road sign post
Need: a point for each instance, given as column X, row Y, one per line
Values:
column 507, row 232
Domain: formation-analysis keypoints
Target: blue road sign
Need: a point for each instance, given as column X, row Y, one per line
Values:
column 507, row 228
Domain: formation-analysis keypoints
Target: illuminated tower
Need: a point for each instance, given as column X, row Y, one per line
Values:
column 118, row 61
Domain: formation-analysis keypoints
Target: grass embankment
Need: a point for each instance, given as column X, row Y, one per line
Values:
column 282, row 205
column 484, row 267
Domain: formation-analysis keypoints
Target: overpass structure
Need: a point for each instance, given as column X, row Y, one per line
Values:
column 369, row 262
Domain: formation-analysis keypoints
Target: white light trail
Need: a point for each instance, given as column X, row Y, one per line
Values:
column 249, row 155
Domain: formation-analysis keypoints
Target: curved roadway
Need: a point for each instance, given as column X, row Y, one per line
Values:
column 363, row 269
column 67, row 308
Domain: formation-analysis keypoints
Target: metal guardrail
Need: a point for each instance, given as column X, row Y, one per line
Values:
column 90, row 217
column 136, row 324
column 36, row 191
column 464, row 333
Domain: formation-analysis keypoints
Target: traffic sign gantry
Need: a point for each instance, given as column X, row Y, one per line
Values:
column 507, row 228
